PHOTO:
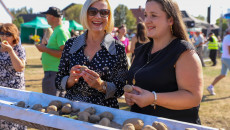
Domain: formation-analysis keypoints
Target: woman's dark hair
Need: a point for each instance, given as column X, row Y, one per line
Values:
column 141, row 32
column 171, row 8
column 9, row 27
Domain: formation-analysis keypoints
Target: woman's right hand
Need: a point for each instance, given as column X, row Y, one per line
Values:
column 75, row 74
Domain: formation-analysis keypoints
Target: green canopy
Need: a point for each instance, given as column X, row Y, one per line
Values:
column 38, row 22
column 34, row 27
column 74, row 25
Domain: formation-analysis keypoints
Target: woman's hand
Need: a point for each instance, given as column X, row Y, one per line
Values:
column 92, row 79
column 75, row 74
column 6, row 46
column 142, row 99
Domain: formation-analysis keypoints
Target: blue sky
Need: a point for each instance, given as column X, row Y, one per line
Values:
column 194, row 7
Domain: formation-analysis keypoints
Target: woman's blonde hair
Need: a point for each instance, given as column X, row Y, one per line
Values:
column 84, row 20
column 9, row 27
column 171, row 8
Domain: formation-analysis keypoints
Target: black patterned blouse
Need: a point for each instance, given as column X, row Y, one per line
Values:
column 110, row 63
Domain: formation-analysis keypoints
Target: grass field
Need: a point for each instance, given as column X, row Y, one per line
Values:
column 214, row 110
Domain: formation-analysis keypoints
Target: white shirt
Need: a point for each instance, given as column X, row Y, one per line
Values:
column 225, row 46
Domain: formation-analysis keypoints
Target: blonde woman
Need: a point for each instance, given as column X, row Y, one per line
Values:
column 105, row 58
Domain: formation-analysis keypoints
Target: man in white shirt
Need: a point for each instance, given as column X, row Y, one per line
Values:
column 225, row 59
column 199, row 41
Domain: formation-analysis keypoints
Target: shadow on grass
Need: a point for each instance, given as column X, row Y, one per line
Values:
column 33, row 66
column 205, row 98
column 33, row 80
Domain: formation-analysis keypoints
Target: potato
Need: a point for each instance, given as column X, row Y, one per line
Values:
column 108, row 115
column 84, row 117
column 37, row 106
column 149, row 127
column 21, row 104
column 53, row 112
column 128, row 88
column 138, row 123
column 83, row 68
column 75, row 110
column 128, row 126
column 83, row 113
column 66, row 109
column 41, row 109
column 104, row 121
column 51, row 108
column 56, row 103
column 159, row 125
column 90, row 110
column 67, row 104
column 94, row 118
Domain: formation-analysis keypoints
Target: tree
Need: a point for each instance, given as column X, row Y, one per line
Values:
column 200, row 17
column 224, row 24
column 122, row 15
column 19, row 20
column 73, row 12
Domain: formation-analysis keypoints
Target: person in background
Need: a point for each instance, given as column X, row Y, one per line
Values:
column 213, row 46
column 225, row 60
column 12, row 65
column 199, row 41
column 166, row 73
column 46, row 37
column 103, row 77
column 122, row 30
column 140, row 38
column 51, row 53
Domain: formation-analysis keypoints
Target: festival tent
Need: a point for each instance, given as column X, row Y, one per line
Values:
column 34, row 27
column 74, row 25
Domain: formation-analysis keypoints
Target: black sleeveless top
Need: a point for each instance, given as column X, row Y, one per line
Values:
column 159, row 76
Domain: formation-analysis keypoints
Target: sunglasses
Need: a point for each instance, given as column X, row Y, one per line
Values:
column 103, row 12
column 7, row 34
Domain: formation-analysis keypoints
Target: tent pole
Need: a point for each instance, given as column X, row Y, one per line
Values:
column 35, row 31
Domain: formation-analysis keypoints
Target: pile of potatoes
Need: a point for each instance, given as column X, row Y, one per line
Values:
column 66, row 110
column 89, row 115
column 138, row 124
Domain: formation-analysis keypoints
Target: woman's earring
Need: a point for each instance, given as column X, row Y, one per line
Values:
column 171, row 29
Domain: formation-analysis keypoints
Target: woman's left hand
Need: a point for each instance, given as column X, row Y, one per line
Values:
column 143, row 99
column 6, row 46
column 92, row 79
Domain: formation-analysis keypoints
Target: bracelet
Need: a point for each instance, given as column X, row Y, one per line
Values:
column 155, row 99
column 104, row 86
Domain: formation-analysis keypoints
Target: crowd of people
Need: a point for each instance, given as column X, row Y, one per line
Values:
column 165, row 68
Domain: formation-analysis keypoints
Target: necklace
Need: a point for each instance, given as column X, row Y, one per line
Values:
column 148, row 61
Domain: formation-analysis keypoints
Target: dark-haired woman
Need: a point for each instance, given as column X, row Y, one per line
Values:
column 166, row 72
column 140, row 38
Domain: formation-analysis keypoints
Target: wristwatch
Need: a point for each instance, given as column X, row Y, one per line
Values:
column 104, row 86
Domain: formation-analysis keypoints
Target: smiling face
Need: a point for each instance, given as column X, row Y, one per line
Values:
column 97, row 23
column 156, row 20
column 122, row 30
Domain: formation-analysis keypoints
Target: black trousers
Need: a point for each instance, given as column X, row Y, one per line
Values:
column 212, row 56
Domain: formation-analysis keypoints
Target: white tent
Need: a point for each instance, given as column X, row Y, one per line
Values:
column 5, row 16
